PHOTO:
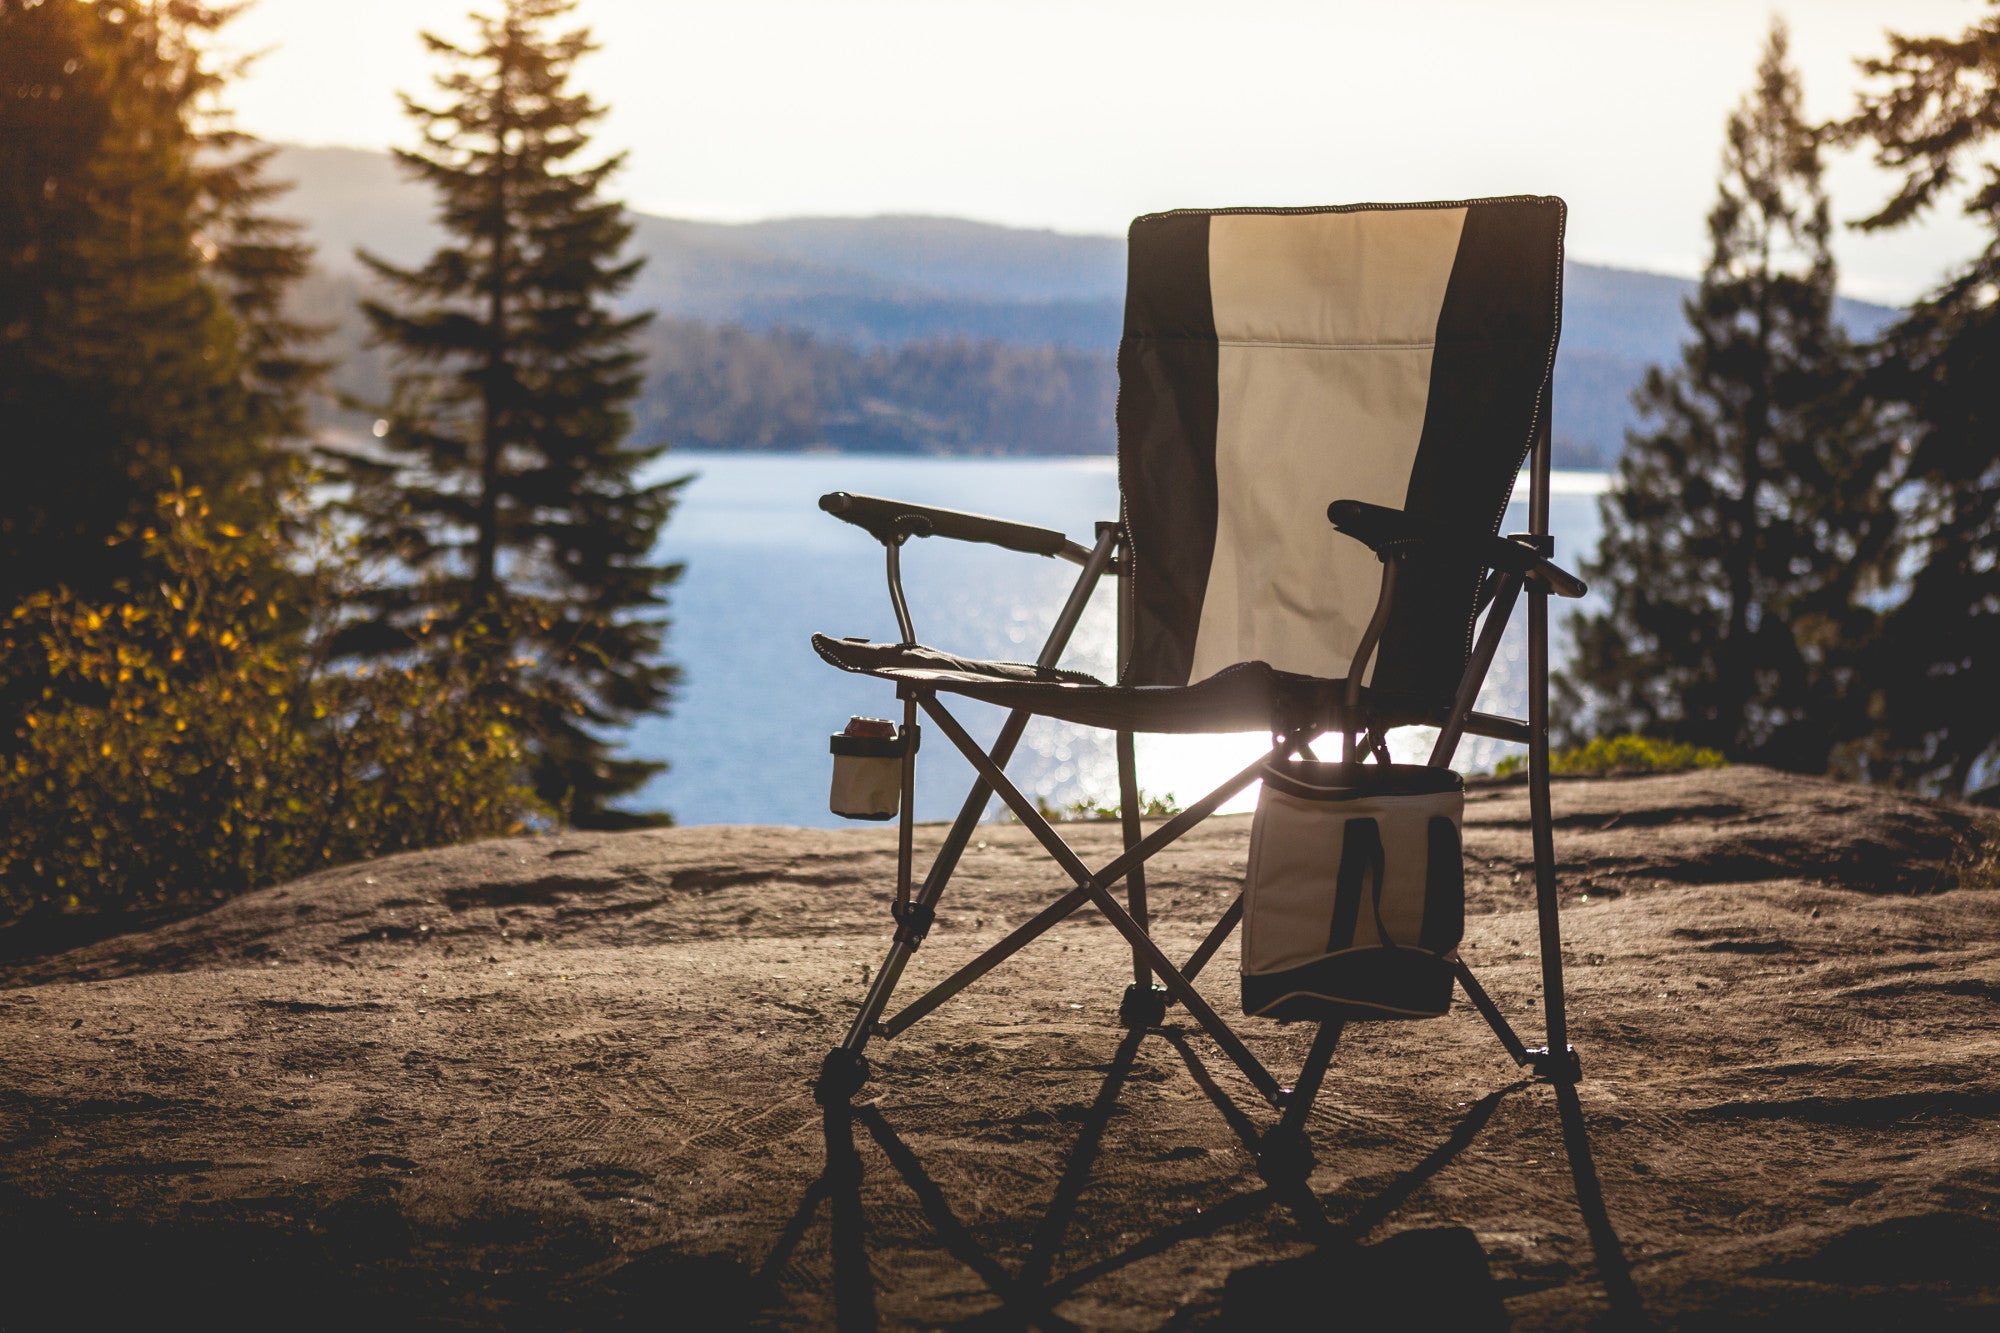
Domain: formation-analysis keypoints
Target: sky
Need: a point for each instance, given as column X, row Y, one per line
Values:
column 1078, row 115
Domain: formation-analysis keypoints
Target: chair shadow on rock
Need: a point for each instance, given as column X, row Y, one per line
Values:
column 1427, row 1277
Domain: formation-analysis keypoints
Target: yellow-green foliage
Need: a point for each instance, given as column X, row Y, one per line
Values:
column 192, row 741
column 1089, row 811
column 1622, row 754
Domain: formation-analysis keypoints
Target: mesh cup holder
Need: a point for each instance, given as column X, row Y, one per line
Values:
column 1355, row 897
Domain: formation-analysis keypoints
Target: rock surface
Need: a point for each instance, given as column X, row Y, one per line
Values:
column 563, row 1082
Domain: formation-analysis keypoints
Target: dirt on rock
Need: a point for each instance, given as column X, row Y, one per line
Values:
column 565, row 1082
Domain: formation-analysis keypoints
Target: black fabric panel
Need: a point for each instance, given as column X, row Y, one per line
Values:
column 1359, row 984
column 1167, row 405
column 1444, row 889
column 1495, row 345
column 1250, row 696
column 1360, row 857
column 1337, row 780
column 1245, row 697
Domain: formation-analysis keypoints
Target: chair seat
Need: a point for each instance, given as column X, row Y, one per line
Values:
column 1250, row 696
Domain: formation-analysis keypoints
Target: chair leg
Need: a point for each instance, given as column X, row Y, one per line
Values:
column 1145, row 1004
column 1284, row 1154
column 1217, row 934
column 1556, row 1061
column 845, row 1067
column 1490, row 1012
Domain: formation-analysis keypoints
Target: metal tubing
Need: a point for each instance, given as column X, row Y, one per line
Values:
column 1110, row 874
column 1490, row 1012
column 974, row 806
column 1190, row 998
column 1220, row 932
column 907, row 825
column 1079, row 598
column 879, row 992
column 1299, row 1101
column 1168, row 832
column 975, row 801
column 1546, row 907
column 903, row 625
column 1135, row 878
column 1358, row 666
column 1499, row 728
column 1546, row 914
column 1017, row 939
column 1072, row 865
column 1490, row 633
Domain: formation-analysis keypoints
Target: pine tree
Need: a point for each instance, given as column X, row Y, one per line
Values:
column 505, row 487
column 1937, row 672
column 1732, row 523
column 142, row 335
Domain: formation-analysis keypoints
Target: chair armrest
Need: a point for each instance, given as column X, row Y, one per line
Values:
column 890, row 520
column 1392, row 534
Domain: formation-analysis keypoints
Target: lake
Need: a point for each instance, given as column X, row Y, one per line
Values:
column 765, row 568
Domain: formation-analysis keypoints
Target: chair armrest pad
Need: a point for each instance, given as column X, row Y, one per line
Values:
column 886, row 520
column 1391, row 534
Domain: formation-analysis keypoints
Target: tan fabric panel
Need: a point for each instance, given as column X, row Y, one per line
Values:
column 1331, row 279
column 1326, row 324
column 1295, row 850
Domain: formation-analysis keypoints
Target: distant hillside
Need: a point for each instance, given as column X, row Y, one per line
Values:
column 790, row 333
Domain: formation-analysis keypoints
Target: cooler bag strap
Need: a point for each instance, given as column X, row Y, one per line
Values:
column 1360, row 855
column 1444, row 889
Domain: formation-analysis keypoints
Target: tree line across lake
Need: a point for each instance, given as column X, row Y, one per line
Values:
column 233, row 651
column 727, row 387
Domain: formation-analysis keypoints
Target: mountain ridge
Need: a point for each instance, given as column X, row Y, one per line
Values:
column 864, row 292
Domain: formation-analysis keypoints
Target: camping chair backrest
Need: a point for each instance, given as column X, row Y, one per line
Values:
column 1276, row 360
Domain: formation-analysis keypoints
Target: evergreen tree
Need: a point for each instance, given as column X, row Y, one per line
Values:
column 1732, row 523
column 1935, row 106
column 505, row 487
column 141, row 288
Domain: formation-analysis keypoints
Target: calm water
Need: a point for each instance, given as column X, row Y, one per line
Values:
column 765, row 568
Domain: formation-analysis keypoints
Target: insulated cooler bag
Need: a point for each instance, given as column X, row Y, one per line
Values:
column 1355, row 897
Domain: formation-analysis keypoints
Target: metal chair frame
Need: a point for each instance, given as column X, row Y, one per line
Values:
column 1285, row 1150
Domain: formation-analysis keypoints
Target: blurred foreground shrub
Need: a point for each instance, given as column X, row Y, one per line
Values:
column 1088, row 810
column 193, row 741
column 1621, row 754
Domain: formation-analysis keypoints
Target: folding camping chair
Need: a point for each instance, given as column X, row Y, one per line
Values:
column 1394, row 360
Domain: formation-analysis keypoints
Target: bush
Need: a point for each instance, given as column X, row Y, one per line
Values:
column 1621, row 754
column 192, row 739
column 1087, row 810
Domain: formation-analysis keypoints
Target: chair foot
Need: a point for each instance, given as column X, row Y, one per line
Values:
column 1143, row 1006
column 1285, row 1156
column 1563, row 1068
column 841, row 1075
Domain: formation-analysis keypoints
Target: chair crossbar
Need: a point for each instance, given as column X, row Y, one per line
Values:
column 1490, row 1012
column 1221, row 932
column 1124, row 866
column 1498, row 613
column 1017, row 939
column 1094, row 883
